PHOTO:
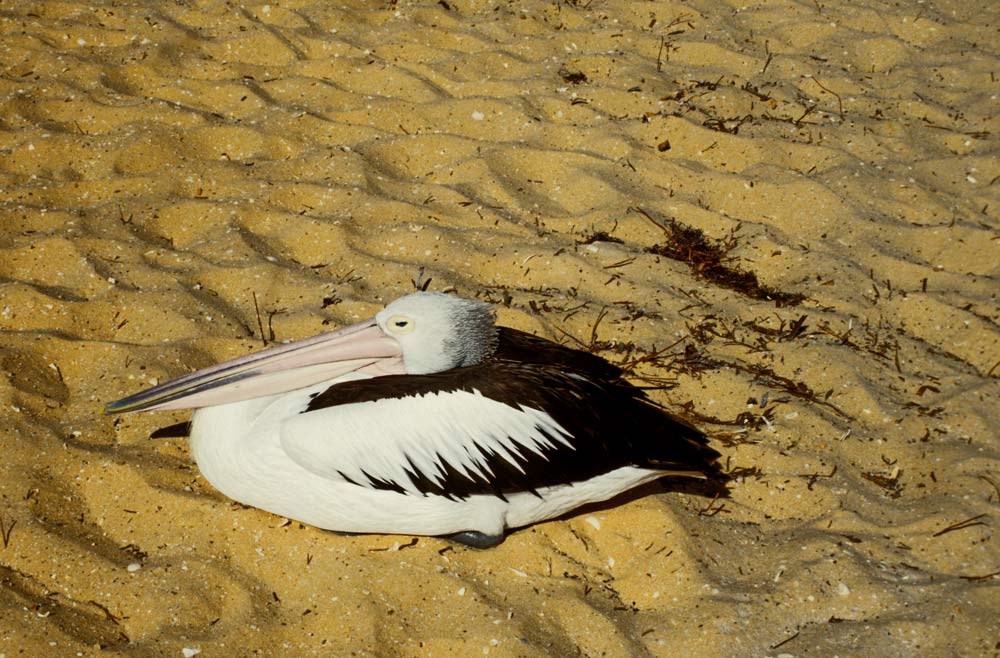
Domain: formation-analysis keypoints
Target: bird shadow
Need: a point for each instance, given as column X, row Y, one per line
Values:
column 177, row 430
column 711, row 488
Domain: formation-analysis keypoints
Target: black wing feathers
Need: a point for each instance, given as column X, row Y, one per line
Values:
column 611, row 422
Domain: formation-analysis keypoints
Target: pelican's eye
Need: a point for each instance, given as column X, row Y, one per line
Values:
column 400, row 324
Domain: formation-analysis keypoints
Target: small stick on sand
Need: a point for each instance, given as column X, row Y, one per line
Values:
column 786, row 640
column 961, row 525
column 985, row 576
column 770, row 56
column 260, row 323
column 5, row 530
column 840, row 102
column 995, row 487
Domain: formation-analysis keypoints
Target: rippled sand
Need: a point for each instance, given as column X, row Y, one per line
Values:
column 163, row 165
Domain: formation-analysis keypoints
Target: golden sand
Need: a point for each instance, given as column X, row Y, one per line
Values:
column 164, row 164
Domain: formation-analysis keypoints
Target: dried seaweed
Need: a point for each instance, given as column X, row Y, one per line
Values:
column 708, row 261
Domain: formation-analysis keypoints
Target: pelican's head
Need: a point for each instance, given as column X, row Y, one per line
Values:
column 421, row 333
column 438, row 332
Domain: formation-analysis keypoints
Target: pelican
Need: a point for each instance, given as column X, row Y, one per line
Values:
column 426, row 420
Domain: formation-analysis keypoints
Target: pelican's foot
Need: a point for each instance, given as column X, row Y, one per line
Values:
column 476, row 539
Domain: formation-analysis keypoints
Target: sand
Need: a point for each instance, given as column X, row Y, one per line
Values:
column 166, row 166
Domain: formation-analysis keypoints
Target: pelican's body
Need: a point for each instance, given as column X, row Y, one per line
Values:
column 429, row 420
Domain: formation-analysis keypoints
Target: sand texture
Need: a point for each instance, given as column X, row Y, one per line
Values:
column 785, row 215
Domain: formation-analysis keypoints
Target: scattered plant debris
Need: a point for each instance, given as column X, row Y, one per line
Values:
column 889, row 483
column 573, row 77
column 600, row 236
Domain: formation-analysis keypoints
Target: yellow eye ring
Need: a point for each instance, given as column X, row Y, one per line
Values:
column 400, row 324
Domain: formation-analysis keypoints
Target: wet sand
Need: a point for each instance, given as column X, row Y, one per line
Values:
column 166, row 170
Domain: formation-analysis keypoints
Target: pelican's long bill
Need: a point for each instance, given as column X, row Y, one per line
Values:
column 361, row 347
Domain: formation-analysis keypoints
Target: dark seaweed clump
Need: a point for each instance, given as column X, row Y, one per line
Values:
column 707, row 260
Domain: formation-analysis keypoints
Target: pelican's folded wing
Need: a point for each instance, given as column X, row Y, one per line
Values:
column 453, row 443
column 493, row 428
